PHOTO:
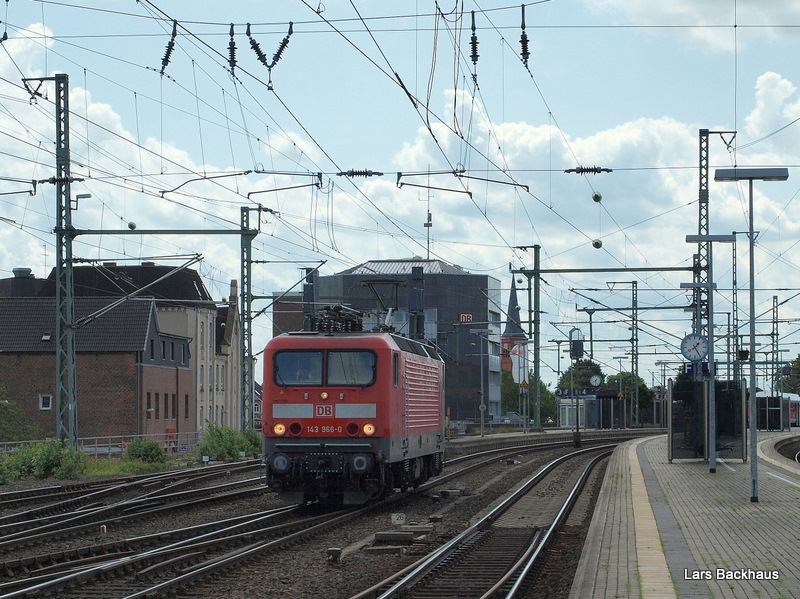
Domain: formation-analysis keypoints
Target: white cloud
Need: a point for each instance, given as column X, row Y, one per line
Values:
column 708, row 23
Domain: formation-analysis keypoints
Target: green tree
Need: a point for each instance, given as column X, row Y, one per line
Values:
column 579, row 374
column 791, row 377
column 510, row 397
column 624, row 380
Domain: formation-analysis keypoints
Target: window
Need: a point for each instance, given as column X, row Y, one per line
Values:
column 172, row 351
column 186, row 407
column 351, row 368
column 395, row 368
column 166, row 406
column 202, row 376
column 158, row 405
column 45, row 402
column 149, row 409
column 216, row 376
column 210, row 379
column 152, row 349
column 222, row 377
column 174, row 407
column 184, row 351
column 298, row 368
column 202, row 336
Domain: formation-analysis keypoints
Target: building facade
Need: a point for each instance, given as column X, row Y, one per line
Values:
column 131, row 378
column 184, row 310
column 455, row 310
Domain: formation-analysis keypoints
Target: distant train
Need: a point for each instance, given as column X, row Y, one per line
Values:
column 350, row 416
column 794, row 408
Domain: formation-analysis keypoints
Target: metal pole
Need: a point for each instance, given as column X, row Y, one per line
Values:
column 246, row 320
column 483, row 405
column 712, row 402
column 752, row 358
column 537, row 412
column 66, row 393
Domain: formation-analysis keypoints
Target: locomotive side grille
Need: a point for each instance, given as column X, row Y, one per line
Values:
column 423, row 395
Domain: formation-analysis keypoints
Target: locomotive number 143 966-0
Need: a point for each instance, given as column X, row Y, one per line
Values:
column 328, row 428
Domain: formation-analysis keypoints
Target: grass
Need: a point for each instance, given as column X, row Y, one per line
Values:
column 105, row 467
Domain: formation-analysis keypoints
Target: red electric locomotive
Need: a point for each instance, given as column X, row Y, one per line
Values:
column 349, row 417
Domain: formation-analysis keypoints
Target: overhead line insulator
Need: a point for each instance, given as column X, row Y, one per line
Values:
column 170, row 46
column 256, row 48
column 284, row 42
column 232, row 51
column 523, row 41
column 360, row 173
column 474, row 42
column 588, row 170
column 275, row 57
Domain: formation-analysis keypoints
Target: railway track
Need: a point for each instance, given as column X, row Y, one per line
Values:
column 193, row 565
column 64, row 499
column 493, row 557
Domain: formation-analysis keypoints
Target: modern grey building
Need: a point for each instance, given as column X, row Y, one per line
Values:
column 452, row 308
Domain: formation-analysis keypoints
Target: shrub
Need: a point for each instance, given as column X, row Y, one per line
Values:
column 43, row 460
column 146, row 451
column 5, row 473
column 253, row 439
column 223, row 443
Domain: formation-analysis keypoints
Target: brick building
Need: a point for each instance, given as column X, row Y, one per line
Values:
column 131, row 378
column 186, row 310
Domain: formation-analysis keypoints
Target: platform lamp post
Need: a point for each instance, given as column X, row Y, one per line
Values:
column 623, row 403
column 480, row 333
column 712, row 366
column 575, row 354
column 750, row 175
column 663, row 387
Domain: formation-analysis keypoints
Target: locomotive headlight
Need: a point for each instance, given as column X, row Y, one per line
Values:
column 369, row 429
column 324, row 395
column 279, row 462
column 279, row 428
column 361, row 463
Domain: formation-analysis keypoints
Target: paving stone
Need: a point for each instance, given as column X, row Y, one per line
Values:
column 699, row 535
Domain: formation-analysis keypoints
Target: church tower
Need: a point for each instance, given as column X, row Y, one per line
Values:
column 513, row 333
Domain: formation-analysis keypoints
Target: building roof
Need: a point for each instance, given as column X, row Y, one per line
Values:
column 109, row 279
column 404, row 266
column 513, row 328
column 22, row 284
column 29, row 325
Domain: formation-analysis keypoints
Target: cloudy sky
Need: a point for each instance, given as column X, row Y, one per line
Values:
column 183, row 139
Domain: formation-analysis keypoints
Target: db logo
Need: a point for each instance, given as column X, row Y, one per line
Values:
column 323, row 411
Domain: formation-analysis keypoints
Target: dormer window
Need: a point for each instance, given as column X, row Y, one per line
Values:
column 46, row 336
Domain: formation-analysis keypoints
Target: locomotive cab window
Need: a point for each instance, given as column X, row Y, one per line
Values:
column 356, row 368
column 298, row 368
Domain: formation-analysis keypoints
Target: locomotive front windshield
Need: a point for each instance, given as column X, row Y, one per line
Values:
column 342, row 368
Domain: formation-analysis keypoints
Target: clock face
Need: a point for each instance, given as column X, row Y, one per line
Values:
column 694, row 347
column 595, row 380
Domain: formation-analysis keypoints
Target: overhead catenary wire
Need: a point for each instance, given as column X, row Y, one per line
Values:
column 204, row 197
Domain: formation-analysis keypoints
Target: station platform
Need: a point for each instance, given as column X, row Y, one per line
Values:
column 676, row 530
